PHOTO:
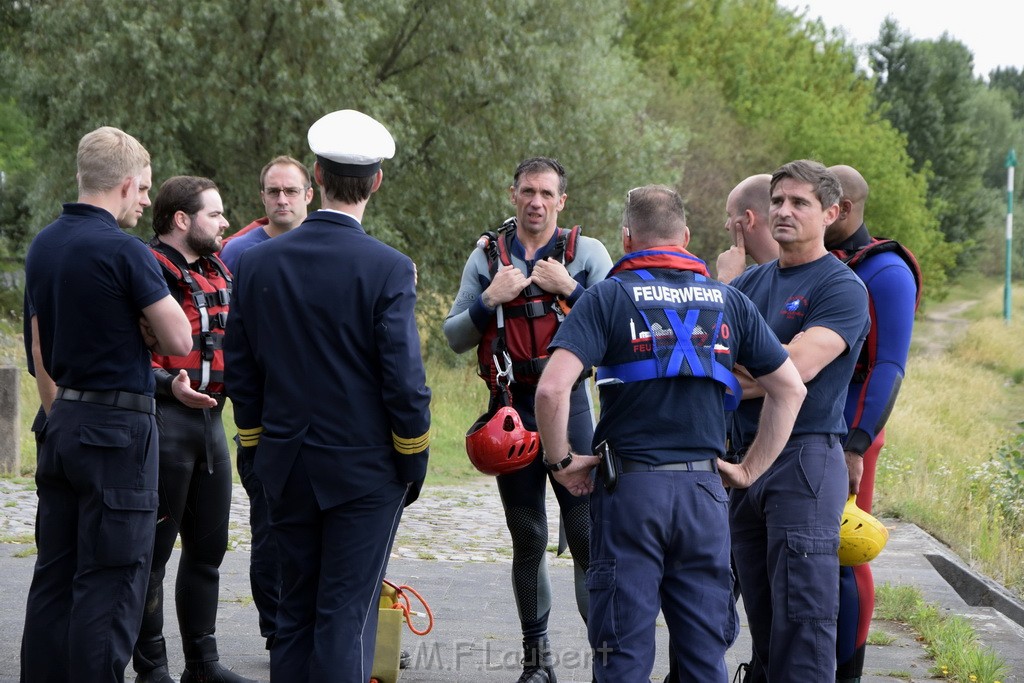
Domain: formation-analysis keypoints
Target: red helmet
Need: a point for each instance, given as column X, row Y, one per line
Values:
column 499, row 443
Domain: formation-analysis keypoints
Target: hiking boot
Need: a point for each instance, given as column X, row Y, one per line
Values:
column 537, row 662
column 211, row 672
column 158, row 675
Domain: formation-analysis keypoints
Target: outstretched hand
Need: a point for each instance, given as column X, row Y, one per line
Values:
column 182, row 390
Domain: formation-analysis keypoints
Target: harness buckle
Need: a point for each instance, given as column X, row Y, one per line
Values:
column 206, row 346
column 535, row 309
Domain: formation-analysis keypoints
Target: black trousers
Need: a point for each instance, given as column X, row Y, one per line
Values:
column 264, row 562
column 195, row 502
column 332, row 564
column 96, row 479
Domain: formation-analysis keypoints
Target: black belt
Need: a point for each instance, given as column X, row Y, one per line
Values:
column 627, row 466
column 116, row 399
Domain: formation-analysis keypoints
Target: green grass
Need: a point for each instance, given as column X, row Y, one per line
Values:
column 458, row 399
column 948, row 464
column 880, row 638
column 29, row 538
column 950, row 640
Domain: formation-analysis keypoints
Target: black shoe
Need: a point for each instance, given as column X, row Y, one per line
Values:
column 536, row 674
column 404, row 659
column 538, row 665
column 211, row 672
column 157, row 675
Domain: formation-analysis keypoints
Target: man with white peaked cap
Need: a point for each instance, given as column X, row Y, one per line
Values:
column 323, row 368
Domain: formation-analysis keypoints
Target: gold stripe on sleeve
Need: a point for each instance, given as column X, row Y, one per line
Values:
column 249, row 437
column 412, row 445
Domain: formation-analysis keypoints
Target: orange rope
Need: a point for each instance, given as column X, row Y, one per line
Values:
column 402, row 603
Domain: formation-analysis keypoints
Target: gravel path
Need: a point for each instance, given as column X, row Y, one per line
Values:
column 462, row 523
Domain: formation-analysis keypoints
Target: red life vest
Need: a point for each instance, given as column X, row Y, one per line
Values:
column 204, row 297
column 529, row 321
column 877, row 245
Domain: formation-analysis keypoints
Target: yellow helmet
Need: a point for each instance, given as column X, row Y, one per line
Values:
column 861, row 536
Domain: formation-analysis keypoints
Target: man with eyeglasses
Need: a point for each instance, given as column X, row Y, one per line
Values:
column 286, row 193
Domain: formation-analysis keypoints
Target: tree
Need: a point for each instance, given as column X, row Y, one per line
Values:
column 466, row 88
column 16, row 171
column 925, row 88
column 758, row 86
column 1010, row 81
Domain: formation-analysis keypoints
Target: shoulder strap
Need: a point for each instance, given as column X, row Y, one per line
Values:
column 565, row 245
column 880, row 245
column 221, row 269
column 497, row 245
column 172, row 262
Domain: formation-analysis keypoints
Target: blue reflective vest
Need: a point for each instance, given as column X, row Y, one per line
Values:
column 683, row 332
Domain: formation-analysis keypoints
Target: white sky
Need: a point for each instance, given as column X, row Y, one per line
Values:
column 991, row 29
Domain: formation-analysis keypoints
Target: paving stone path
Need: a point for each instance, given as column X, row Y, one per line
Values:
column 463, row 523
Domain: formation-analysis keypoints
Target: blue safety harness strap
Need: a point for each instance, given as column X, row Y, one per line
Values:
column 683, row 350
column 648, row 369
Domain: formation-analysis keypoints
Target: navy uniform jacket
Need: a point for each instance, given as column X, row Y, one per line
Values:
column 322, row 360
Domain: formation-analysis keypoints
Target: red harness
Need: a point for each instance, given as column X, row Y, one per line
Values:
column 204, row 297
column 518, row 335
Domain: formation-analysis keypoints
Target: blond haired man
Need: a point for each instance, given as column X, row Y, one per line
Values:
column 97, row 465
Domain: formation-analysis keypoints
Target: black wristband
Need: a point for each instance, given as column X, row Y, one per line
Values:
column 561, row 464
column 857, row 441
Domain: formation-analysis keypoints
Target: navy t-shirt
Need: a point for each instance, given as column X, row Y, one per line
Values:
column 666, row 420
column 87, row 282
column 822, row 293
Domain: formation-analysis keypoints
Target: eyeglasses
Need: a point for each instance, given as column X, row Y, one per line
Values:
column 290, row 192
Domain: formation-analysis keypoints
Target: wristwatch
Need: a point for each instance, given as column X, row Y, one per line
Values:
column 561, row 464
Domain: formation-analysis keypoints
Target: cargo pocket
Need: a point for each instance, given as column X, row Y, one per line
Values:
column 602, row 621
column 812, row 574
column 715, row 490
column 105, row 436
column 127, row 526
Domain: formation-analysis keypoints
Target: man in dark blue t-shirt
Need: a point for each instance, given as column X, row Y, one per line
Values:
column 97, row 305
column 785, row 527
column 664, row 337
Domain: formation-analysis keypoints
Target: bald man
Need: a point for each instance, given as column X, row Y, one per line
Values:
column 893, row 280
column 747, row 225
